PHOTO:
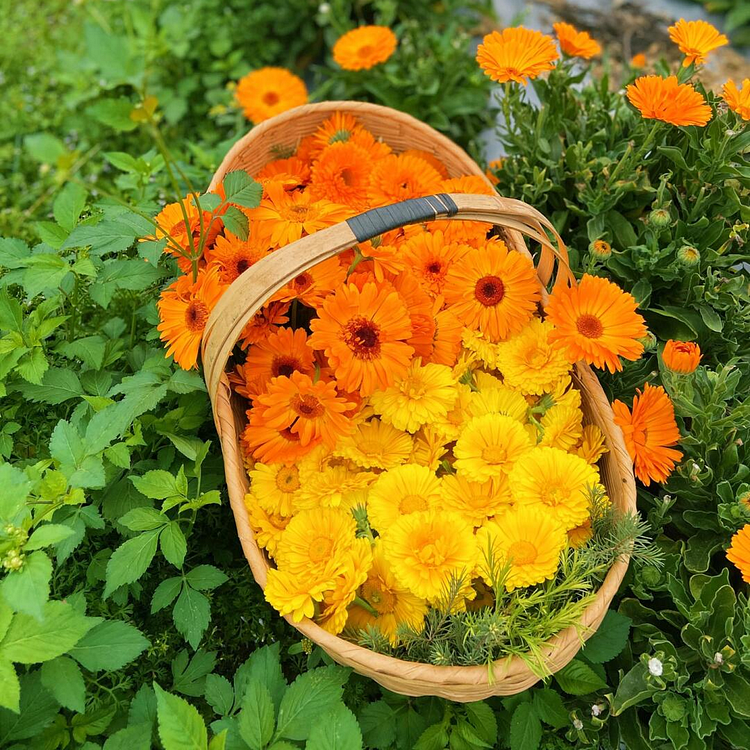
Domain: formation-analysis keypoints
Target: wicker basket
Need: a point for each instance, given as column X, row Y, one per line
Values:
column 249, row 292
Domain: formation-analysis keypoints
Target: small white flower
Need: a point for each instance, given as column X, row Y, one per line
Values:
column 718, row 658
column 596, row 710
column 578, row 724
column 655, row 667
column 324, row 9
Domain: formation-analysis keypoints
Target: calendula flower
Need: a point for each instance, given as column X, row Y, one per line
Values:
column 578, row 536
column 290, row 173
column 528, row 540
column 432, row 159
column 468, row 183
column 341, row 127
column 284, row 216
column 429, row 447
column 561, row 427
column 334, row 486
column 576, row 43
column 274, row 487
column 400, row 491
column 492, row 168
column 427, row 550
column 397, row 178
column 638, row 61
column 666, row 99
column 493, row 290
column 596, row 321
column 600, row 249
column 430, row 258
column 341, row 174
column 476, row 501
column 423, row 395
column 592, row 446
column 696, row 39
column 529, row 360
column 559, row 481
column 375, row 444
column 446, row 339
column 267, row 527
column 394, row 605
column 457, row 416
column 184, row 307
column 363, row 334
column 233, row 256
column 489, row 446
column 268, row 92
column 364, row 47
column 649, row 430
column 272, row 444
column 516, row 54
column 498, row 399
column 264, row 323
column 739, row 552
column 311, row 287
column 681, row 356
column 420, row 307
column 479, row 344
column 738, row 100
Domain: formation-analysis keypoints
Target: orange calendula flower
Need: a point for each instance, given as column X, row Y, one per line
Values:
column 397, row 178
column 233, row 256
column 696, row 39
column 468, row 183
column 341, row 127
column 493, row 290
column 184, row 308
column 365, row 47
column 291, row 173
column 430, row 158
column 310, row 287
column 283, row 352
column 363, row 334
column 666, row 99
column 739, row 552
column 738, row 100
column 681, row 356
column 342, row 174
column 576, row 43
column 268, row 92
column 638, row 61
column 650, row 429
column 264, row 322
column 430, row 257
column 596, row 321
column 516, row 54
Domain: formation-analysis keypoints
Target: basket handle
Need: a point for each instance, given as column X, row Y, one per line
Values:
column 250, row 291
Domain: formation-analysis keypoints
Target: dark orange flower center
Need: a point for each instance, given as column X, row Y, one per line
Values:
column 285, row 365
column 196, row 315
column 362, row 336
column 242, row 265
column 287, row 480
column 489, row 290
column 365, row 50
column 589, row 326
column 307, row 406
column 302, row 282
column 434, row 268
column 270, row 98
column 347, row 177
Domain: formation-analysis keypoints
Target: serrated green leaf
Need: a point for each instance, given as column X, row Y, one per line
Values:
column 180, row 725
column 157, row 484
column 378, row 727
column 58, row 385
column 89, row 349
column 110, row 645
column 236, row 222
column 577, row 678
column 130, row 560
column 525, row 728
column 550, row 708
column 242, row 190
column 48, row 534
column 189, row 675
column 11, row 314
column 265, row 666
column 63, row 678
column 165, row 593
column 27, row 589
column 219, row 694
column 173, row 544
column 122, row 160
column 36, row 710
column 136, row 737
column 32, row 365
column 10, row 687
column 192, row 613
column 336, row 729
column 51, row 234
column 256, row 719
column 144, row 519
column 609, row 640
column 68, row 205
column 205, row 577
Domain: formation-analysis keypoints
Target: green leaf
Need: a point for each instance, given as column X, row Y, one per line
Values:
column 483, row 721
column 130, row 560
column 44, row 147
column 122, row 160
column 549, row 707
column 173, row 544
column 180, row 725
column 58, row 385
column 68, row 205
column 236, row 222
column 219, row 694
column 609, row 640
column 337, row 729
column 157, row 484
column 737, row 692
column 711, row 318
column 378, row 727
column 525, row 728
column 30, row 641
column 242, row 190
column 189, row 677
column 675, row 155
column 48, row 534
column 27, row 589
column 265, row 666
column 37, row 709
column 90, row 350
column 576, row 678
column 51, row 234
column 16, row 488
column 33, row 365
column 144, row 519
column 63, row 678
column 108, row 236
column 11, row 314
column 206, row 578
column 137, row 737
column 632, row 689
column 191, row 614
column 307, row 698
column 256, row 720
column 435, row 737
column 165, row 593
column 113, row 112
column 110, row 645
column 10, row 687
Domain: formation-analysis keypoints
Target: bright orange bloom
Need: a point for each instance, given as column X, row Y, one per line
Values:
column 284, row 352
column 696, row 39
column 233, row 256
column 419, row 307
column 516, row 54
column 576, row 43
column 268, row 92
column 342, row 175
column 310, row 287
column 269, row 445
column 363, row 334
column 649, row 431
column 638, row 61
column 665, row 99
column 430, row 158
column 468, row 183
column 681, row 356
column 493, row 290
column 264, row 322
column 739, row 552
column 397, row 178
column 184, row 308
column 738, row 100
column 492, row 167
column 341, row 127
column 365, row 47
column 596, row 321
column 446, row 341
column 285, row 216
column 430, row 258
column 291, row 173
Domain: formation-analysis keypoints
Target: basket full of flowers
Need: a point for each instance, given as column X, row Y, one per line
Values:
column 426, row 476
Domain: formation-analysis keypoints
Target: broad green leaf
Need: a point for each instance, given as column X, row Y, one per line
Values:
column 483, row 721
column 265, row 666
column 189, row 675
column 45, row 271
column 93, row 722
column 378, row 726
column 130, row 560
column 192, row 613
column 242, row 190
column 219, row 694
column 577, row 678
column 206, row 578
column 30, row 641
column 219, row 741
column 609, row 640
column 36, row 710
column 33, row 365
column 58, row 385
column 632, row 689
column 157, row 484
column 16, row 487
column 337, row 729
column 119, row 455
column 180, row 725
column 737, row 692
column 63, row 678
column 27, row 589
column 236, row 222
column 711, row 318
column 144, row 519
column 48, row 534
column 68, row 205
column 51, row 234
column 550, row 708
column 113, row 112
column 136, row 737
column 110, row 645
column 143, row 707
column 13, row 253
column 89, row 349
column 173, row 544
column 525, row 728
column 256, row 719
column 10, row 687
column 435, row 737
column 122, row 161
column 189, row 447
column 108, row 236
column 310, row 695
column 44, row 147
column 165, row 593
column 11, row 315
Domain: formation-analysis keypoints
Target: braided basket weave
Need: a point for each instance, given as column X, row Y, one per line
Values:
column 251, row 290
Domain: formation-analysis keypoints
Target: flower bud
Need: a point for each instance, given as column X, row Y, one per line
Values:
column 600, row 249
column 648, row 341
column 689, row 256
column 660, row 218
column 578, row 724
column 682, row 357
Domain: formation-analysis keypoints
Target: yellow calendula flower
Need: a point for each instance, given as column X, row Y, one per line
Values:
column 400, row 491
column 591, row 447
column 331, row 487
column 561, row 427
column 485, row 381
column 394, row 605
column 427, row 550
column 529, row 361
column 267, row 527
column 579, row 535
column 489, row 446
column 499, row 400
column 376, row 444
column 423, row 395
column 296, row 594
column 476, row 501
column 274, row 487
column 429, row 447
column 480, row 345
column 451, row 425
column 559, row 482
column 529, row 541
column 313, row 539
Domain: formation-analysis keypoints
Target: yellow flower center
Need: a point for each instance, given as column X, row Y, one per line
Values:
column 430, row 556
column 494, row 454
column 522, row 553
column 589, row 326
column 413, row 387
column 537, row 358
column 412, row 504
column 287, row 479
column 553, row 495
column 381, row 598
column 320, row 549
